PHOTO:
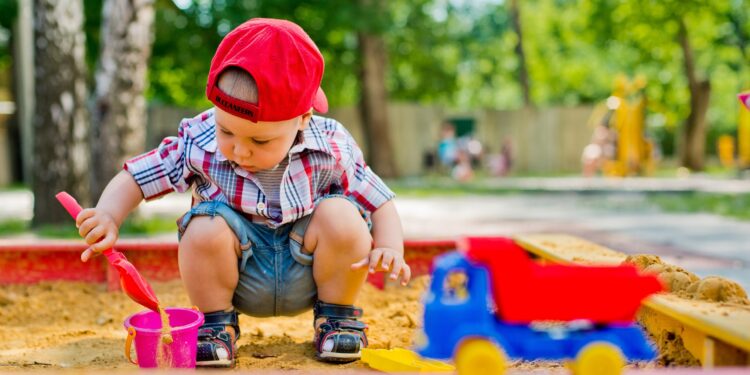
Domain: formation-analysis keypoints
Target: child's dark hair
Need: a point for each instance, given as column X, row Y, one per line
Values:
column 238, row 84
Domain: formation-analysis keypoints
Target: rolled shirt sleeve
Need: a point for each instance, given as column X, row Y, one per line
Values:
column 163, row 169
column 360, row 181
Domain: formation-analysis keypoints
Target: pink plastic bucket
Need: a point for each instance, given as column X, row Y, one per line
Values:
column 144, row 329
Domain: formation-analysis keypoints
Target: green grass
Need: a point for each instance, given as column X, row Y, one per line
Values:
column 16, row 186
column 669, row 168
column 131, row 228
column 13, row 226
column 444, row 186
column 731, row 205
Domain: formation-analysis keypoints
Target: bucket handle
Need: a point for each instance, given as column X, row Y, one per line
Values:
column 128, row 343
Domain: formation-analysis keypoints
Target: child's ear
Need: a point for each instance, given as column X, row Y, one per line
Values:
column 305, row 120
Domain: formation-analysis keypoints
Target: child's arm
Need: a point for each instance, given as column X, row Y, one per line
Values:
column 388, row 252
column 99, row 226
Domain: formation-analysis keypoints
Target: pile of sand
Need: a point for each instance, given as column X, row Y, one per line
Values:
column 686, row 284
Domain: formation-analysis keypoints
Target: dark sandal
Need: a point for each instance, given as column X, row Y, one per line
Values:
column 215, row 345
column 341, row 337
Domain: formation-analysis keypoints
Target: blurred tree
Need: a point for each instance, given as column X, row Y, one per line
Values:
column 374, row 96
column 61, row 121
column 694, row 135
column 523, row 76
column 119, row 110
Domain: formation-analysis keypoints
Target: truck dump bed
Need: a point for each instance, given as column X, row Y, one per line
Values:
column 525, row 290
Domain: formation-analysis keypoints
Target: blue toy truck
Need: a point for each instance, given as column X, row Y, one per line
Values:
column 462, row 321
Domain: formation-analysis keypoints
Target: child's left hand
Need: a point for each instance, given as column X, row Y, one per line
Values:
column 384, row 259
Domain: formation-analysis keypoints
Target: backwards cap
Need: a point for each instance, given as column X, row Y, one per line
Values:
column 283, row 60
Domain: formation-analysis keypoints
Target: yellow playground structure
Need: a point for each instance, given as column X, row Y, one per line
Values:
column 619, row 146
column 726, row 143
column 743, row 132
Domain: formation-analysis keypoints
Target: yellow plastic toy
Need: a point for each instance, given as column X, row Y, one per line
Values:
column 619, row 145
column 480, row 357
column 402, row 360
column 598, row 358
column 743, row 137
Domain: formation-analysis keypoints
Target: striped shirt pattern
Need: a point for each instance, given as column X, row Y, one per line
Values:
column 270, row 182
column 324, row 160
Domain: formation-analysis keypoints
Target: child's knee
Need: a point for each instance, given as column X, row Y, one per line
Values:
column 208, row 234
column 338, row 222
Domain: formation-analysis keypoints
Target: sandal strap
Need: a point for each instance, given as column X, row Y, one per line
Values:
column 348, row 334
column 220, row 319
column 343, row 325
column 334, row 311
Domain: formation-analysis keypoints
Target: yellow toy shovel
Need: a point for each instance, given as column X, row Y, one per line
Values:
column 402, row 360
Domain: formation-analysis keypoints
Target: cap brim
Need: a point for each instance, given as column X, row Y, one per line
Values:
column 745, row 99
column 320, row 103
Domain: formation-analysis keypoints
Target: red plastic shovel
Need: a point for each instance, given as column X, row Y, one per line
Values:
column 133, row 284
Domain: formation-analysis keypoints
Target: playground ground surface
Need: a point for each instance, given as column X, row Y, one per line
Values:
column 79, row 326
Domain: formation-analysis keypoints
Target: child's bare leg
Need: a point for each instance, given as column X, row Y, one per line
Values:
column 207, row 256
column 338, row 237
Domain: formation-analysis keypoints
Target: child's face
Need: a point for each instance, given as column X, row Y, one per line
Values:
column 256, row 146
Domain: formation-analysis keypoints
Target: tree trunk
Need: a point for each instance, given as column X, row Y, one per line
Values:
column 523, row 75
column 374, row 105
column 694, row 135
column 118, row 126
column 60, row 122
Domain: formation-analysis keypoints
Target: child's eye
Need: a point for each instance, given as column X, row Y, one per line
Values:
column 225, row 132
column 258, row 142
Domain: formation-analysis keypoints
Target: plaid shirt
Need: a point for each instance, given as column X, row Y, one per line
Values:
column 324, row 160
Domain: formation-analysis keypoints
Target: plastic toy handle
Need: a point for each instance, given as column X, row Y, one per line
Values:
column 74, row 209
column 128, row 343
column 69, row 203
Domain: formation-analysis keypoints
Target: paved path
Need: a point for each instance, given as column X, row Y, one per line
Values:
column 696, row 183
column 704, row 244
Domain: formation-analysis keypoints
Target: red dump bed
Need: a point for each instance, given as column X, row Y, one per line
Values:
column 526, row 291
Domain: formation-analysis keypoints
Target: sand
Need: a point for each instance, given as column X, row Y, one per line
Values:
column 686, row 284
column 79, row 326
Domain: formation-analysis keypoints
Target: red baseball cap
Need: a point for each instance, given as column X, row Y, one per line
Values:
column 285, row 63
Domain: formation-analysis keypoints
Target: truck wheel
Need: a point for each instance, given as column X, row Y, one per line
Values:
column 599, row 358
column 479, row 357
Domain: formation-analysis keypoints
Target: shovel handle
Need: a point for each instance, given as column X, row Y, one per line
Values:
column 69, row 203
column 74, row 209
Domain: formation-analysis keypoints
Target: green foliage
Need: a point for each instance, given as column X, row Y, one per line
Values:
column 460, row 53
column 92, row 22
column 187, row 36
column 641, row 36
column 8, row 11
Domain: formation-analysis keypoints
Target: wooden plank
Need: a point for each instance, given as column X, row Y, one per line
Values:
column 701, row 321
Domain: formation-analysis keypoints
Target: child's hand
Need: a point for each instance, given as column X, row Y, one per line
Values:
column 99, row 230
column 383, row 259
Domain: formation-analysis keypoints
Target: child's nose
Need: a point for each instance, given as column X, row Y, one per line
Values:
column 242, row 150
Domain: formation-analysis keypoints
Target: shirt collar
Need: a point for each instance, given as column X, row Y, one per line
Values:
column 312, row 138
